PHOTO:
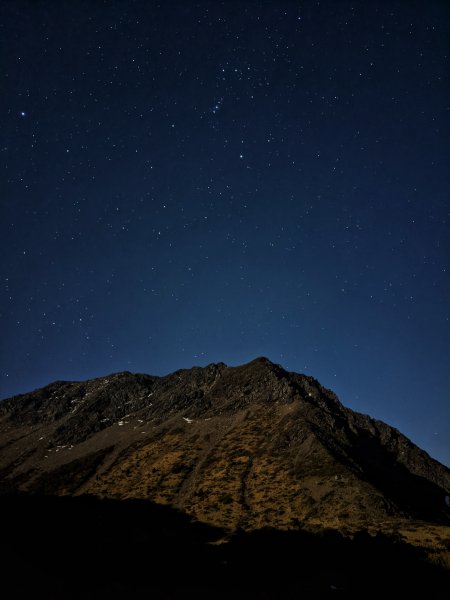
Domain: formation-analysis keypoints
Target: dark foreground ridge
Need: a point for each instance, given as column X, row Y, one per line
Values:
column 85, row 548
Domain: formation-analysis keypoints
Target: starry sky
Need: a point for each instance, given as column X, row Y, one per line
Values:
column 194, row 182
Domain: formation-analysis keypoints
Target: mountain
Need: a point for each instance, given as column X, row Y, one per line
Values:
column 239, row 449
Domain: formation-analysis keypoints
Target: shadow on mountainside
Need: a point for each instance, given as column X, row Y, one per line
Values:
column 85, row 548
column 379, row 466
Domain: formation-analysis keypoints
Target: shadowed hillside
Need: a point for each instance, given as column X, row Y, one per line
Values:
column 85, row 548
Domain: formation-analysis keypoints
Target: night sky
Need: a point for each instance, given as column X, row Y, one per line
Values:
column 192, row 182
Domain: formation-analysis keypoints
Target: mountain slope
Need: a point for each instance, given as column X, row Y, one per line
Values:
column 246, row 447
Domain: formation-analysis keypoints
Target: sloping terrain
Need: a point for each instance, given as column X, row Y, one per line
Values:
column 244, row 447
column 244, row 482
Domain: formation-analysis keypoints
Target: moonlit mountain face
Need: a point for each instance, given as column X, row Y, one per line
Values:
column 246, row 447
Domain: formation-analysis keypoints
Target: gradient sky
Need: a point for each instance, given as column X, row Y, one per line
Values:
column 194, row 182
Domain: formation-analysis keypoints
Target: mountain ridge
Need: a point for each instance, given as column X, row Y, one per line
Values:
column 237, row 447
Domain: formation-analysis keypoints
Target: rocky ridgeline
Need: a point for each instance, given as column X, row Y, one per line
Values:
column 245, row 447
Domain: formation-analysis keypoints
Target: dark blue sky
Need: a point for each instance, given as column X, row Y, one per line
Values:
column 186, row 183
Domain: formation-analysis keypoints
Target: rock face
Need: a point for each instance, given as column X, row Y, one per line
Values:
column 242, row 447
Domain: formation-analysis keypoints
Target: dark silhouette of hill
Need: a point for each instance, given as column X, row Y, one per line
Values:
column 83, row 548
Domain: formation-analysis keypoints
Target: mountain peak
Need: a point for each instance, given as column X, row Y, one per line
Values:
column 261, row 360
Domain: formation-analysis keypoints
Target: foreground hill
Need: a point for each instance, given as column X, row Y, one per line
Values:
column 83, row 548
